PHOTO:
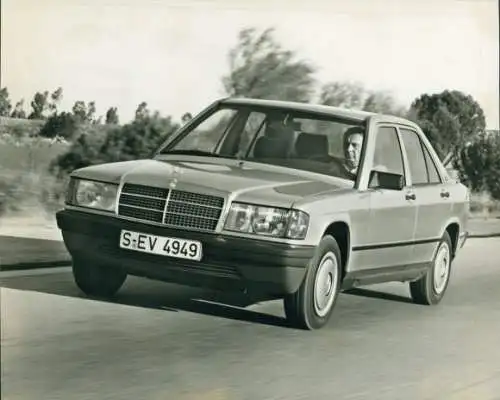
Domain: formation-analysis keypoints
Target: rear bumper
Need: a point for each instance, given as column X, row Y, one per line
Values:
column 228, row 263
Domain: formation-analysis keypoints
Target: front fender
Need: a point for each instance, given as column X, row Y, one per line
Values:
column 319, row 227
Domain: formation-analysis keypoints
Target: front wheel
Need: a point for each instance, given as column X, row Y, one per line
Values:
column 313, row 303
column 97, row 280
column 430, row 289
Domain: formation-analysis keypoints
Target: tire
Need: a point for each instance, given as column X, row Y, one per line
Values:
column 301, row 308
column 430, row 289
column 97, row 280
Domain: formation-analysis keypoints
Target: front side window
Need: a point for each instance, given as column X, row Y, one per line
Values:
column 290, row 138
column 388, row 156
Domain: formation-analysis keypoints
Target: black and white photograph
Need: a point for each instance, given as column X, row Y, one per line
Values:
column 237, row 200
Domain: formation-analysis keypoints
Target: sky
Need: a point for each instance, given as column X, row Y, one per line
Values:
column 173, row 54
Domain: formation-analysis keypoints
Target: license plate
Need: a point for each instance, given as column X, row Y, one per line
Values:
column 161, row 245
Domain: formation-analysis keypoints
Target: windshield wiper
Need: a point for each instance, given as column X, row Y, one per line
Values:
column 194, row 153
column 188, row 152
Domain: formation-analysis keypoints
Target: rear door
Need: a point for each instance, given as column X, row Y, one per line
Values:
column 432, row 196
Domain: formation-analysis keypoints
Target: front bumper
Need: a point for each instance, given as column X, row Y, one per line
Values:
column 228, row 263
column 463, row 238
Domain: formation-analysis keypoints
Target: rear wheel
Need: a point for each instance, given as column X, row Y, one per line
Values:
column 313, row 303
column 97, row 280
column 430, row 289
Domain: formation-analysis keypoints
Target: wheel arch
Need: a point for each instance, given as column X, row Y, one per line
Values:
column 340, row 230
column 453, row 230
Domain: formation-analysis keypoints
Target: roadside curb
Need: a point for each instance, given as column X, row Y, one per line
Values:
column 34, row 265
column 483, row 235
column 25, row 253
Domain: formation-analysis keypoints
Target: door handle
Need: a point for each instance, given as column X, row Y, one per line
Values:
column 445, row 194
column 410, row 196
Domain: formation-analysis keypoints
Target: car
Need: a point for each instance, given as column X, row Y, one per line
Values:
column 291, row 201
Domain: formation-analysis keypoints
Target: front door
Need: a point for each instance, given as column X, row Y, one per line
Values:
column 392, row 217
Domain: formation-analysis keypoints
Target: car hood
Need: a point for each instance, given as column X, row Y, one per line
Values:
column 243, row 181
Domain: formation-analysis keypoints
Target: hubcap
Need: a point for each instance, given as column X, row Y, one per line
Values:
column 441, row 268
column 325, row 284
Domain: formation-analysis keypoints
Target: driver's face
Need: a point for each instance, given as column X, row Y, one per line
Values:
column 353, row 149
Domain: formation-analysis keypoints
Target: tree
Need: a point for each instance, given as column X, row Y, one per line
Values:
column 481, row 164
column 489, row 171
column 356, row 96
column 450, row 120
column 5, row 104
column 186, row 117
column 493, row 180
column 384, row 103
column 80, row 110
column 261, row 68
column 91, row 110
column 142, row 111
column 40, row 105
column 112, row 116
column 343, row 94
column 55, row 98
column 478, row 161
column 19, row 110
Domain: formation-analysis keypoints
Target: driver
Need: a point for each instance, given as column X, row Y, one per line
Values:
column 353, row 142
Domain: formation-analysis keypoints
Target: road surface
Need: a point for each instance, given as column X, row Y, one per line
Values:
column 159, row 341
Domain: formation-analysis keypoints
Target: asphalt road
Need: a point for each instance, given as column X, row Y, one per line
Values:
column 159, row 341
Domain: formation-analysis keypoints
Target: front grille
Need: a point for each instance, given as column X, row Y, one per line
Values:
column 171, row 207
column 142, row 202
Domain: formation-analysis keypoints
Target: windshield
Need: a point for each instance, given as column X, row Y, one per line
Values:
column 294, row 139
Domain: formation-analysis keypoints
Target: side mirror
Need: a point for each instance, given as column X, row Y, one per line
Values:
column 386, row 180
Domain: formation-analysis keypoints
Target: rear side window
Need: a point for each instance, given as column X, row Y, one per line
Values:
column 416, row 158
column 422, row 167
column 431, row 166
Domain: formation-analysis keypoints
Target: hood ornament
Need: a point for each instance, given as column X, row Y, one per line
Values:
column 175, row 174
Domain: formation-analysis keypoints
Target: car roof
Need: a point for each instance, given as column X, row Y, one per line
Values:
column 346, row 113
column 293, row 105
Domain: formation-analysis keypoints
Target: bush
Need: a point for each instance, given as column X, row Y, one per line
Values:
column 63, row 125
column 52, row 193
column 492, row 170
column 11, row 194
column 19, row 191
column 136, row 140
column 483, row 204
column 15, row 126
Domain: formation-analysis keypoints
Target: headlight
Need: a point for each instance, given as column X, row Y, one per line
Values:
column 267, row 221
column 93, row 194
